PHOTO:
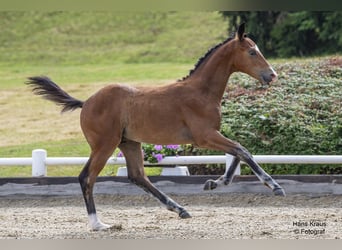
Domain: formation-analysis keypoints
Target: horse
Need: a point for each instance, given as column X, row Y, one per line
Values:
column 187, row 111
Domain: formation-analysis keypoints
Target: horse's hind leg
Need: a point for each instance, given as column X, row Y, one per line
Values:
column 87, row 180
column 136, row 174
column 225, row 179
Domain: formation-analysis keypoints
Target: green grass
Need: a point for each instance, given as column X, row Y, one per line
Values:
column 102, row 47
column 78, row 38
column 65, row 148
column 147, row 74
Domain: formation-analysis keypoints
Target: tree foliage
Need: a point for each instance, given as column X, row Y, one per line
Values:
column 284, row 34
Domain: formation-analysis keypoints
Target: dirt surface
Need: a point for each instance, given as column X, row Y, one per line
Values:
column 214, row 216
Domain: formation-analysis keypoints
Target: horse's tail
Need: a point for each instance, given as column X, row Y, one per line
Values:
column 45, row 87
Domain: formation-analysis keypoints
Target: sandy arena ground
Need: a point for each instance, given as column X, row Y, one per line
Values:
column 214, row 216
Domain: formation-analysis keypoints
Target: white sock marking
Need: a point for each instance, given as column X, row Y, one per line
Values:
column 96, row 224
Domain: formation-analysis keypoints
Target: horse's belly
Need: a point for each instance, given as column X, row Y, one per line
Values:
column 153, row 135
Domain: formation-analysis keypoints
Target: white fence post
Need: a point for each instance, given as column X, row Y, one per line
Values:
column 38, row 163
column 229, row 159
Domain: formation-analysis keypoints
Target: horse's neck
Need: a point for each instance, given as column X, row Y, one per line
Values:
column 212, row 75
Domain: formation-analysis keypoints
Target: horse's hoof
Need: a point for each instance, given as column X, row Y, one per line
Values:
column 210, row 185
column 184, row 214
column 101, row 227
column 279, row 192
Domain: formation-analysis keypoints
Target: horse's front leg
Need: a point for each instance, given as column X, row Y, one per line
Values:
column 225, row 179
column 136, row 174
column 214, row 140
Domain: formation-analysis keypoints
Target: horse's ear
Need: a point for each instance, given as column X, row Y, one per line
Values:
column 241, row 31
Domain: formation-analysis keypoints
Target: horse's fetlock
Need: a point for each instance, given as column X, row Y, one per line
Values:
column 226, row 181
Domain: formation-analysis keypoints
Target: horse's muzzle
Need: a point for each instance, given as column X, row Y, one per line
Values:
column 268, row 76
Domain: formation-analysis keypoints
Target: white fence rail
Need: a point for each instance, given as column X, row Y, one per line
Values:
column 39, row 160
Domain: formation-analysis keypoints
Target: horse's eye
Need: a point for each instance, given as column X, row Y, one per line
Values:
column 252, row 52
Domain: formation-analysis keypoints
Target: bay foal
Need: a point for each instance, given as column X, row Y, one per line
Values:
column 185, row 112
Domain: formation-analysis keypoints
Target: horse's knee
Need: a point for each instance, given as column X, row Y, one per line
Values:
column 243, row 154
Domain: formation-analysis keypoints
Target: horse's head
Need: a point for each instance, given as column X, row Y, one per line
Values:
column 248, row 58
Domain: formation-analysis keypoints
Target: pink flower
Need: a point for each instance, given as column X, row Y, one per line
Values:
column 159, row 157
column 172, row 146
column 158, row 147
column 120, row 154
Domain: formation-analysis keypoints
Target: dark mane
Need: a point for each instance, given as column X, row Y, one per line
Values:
column 206, row 55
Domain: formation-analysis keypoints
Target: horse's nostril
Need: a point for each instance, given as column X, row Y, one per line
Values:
column 274, row 77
